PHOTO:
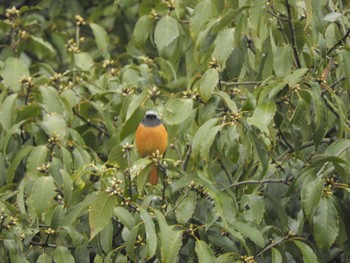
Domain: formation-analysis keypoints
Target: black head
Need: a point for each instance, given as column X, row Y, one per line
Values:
column 151, row 119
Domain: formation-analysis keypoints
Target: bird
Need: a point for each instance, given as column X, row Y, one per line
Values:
column 151, row 137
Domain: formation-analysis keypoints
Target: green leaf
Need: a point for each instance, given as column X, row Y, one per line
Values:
column 254, row 206
column 167, row 30
column 309, row 12
column 101, row 39
column 45, row 47
column 28, row 112
column 142, row 30
column 63, row 255
column 311, row 194
column 12, row 72
column 309, row 255
column 208, row 83
column 44, row 258
column 250, row 231
column 171, row 240
column 51, row 100
column 204, row 253
column 77, row 210
column 325, row 223
column 54, row 125
column 177, row 110
column 36, row 158
column 276, row 256
column 282, row 60
column 201, row 141
column 332, row 17
column 23, row 152
column 228, row 101
column 185, row 207
column 8, row 112
column 226, row 258
column 151, row 236
column 130, row 241
column 295, row 77
column 139, row 166
column 201, row 15
column 101, row 212
column 43, row 192
column 83, row 60
column 224, row 46
column 262, row 116
column 125, row 217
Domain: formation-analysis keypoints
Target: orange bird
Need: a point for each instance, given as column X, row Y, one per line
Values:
column 151, row 135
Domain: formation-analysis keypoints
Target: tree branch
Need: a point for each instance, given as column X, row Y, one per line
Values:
column 339, row 42
column 88, row 122
column 293, row 39
column 267, row 181
column 243, row 83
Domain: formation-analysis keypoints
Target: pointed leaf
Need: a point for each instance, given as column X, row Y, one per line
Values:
column 43, row 192
column 83, row 60
column 224, row 45
column 204, row 253
column 185, row 208
column 311, row 194
column 262, row 116
column 167, row 30
column 63, row 255
column 249, row 231
column 309, row 255
column 208, row 83
column 101, row 39
column 101, row 212
column 23, row 152
column 325, row 223
column 177, row 110
column 125, row 217
column 8, row 112
column 51, row 100
column 36, row 158
column 276, row 256
column 142, row 30
column 150, row 233
column 14, row 69
column 171, row 240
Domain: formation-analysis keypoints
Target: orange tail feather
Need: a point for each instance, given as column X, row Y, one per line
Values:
column 153, row 177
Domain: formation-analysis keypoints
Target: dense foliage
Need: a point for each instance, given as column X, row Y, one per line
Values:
column 255, row 97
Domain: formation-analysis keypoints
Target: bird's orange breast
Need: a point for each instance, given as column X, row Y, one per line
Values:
column 150, row 139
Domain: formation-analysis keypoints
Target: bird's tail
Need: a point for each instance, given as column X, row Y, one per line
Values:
column 153, row 177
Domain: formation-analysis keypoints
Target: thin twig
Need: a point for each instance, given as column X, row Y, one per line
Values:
column 273, row 244
column 285, row 140
column 293, row 38
column 339, row 42
column 187, row 157
column 178, row 202
column 128, row 175
column 277, row 16
column 88, row 122
column 267, row 181
column 243, row 83
column 339, row 23
column 226, row 172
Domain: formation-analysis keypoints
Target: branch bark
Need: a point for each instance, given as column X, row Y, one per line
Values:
column 293, row 38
